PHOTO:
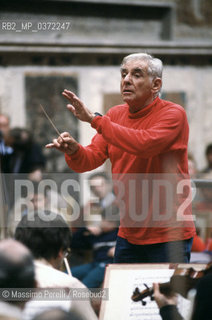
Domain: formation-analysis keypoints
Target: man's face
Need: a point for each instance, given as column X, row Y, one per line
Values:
column 99, row 186
column 39, row 201
column 4, row 125
column 137, row 87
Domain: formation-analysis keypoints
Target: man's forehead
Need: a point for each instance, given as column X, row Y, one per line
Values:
column 135, row 65
column 97, row 180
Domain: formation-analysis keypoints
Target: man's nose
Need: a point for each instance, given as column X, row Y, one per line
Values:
column 127, row 78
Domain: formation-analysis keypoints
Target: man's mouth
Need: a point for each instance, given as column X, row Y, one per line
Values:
column 127, row 91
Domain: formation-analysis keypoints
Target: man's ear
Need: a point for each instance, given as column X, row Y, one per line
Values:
column 60, row 254
column 156, row 85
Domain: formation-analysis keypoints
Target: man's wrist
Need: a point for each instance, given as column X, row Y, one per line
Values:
column 94, row 115
column 71, row 152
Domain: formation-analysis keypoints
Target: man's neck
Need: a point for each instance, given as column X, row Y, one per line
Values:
column 134, row 108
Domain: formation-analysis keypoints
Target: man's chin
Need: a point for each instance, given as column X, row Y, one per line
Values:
column 127, row 100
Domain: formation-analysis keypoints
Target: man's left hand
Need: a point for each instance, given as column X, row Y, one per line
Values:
column 163, row 300
column 77, row 107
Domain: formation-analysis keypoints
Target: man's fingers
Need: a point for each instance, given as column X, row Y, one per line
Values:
column 71, row 108
column 68, row 92
column 49, row 145
column 76, row 104
column 66, row 96
column 65, row 134
column 77, row 107
column 69, row 95
column 52, row 145
column 156, row 288
column 65, row 140
column 56, row 143
column 75, row 101
column 64, row 143
column 61, row 142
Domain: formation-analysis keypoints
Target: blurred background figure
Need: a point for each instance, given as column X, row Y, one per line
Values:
column 101, row 186
column 4, row 124
column 209, row 243
column 36, row 197
column 204, row 200
column 48, row 237
column 102, row 197
column 5, row 152
column 16, row 271
column 202, row 303
column 202, row 210
column 58, row 314
column 26, row 156
column 208, row 155
column 35, row 200
column 198, row 244
column 55, row 200
column 4, row 135
column 192, row 167
column 101, row 240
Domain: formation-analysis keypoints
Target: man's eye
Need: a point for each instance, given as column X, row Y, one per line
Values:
column 123, row 75
column 137, row 75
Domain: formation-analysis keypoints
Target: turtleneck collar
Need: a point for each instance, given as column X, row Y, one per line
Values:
column 143, row 111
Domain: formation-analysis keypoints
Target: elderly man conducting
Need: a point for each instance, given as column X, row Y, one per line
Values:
column 146, row 141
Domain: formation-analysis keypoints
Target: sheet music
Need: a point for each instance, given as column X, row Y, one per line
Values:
column 121, row 286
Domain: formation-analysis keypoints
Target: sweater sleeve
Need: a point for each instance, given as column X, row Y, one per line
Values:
column 170, row 312
column 90, row 157
column 162, row 136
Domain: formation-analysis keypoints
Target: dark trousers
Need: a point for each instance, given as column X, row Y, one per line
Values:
column 91, row 274
column 172, row 252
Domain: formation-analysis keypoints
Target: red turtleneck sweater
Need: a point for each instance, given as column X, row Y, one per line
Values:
column 147, row 149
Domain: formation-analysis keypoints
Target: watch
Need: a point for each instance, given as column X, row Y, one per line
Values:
column 97, row 114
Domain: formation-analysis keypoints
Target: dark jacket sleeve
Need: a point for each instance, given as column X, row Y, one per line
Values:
column 81, row 239
column 170, row 312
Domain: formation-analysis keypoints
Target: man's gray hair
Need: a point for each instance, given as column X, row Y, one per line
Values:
column 155, row 66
